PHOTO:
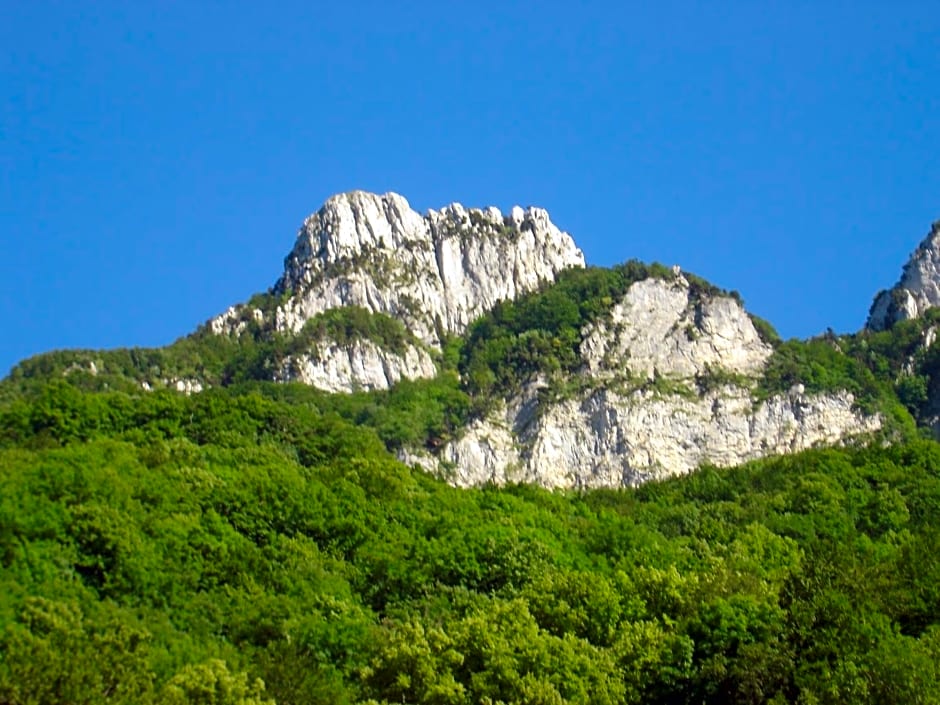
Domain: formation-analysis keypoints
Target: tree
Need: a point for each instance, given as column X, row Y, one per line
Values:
column 211, row 683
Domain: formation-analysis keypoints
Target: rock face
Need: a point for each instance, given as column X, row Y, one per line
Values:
column 659, row 327
column 435, row 273
column 668, row 385
column 916, row 291
column 358, row 366
column 667, row 381
column 612, row 439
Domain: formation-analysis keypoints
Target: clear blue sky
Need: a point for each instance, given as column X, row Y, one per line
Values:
column 156, row 159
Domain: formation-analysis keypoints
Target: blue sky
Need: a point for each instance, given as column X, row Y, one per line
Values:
column 157, row 159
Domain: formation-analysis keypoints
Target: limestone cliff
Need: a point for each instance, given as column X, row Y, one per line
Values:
column 435, row 273
column 668, row 383
column 610, row 438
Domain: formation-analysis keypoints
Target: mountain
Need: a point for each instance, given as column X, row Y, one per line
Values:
column 502, row 358
column 665, row 377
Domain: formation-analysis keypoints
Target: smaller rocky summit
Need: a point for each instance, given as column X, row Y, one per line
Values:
column 911, row 299
column 916, row 291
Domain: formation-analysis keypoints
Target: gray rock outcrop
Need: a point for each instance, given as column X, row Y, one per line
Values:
column 659, row 327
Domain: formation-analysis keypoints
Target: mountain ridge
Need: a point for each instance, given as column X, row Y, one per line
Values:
column 533, row 367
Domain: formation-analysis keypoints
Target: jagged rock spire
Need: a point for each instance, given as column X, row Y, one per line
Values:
column 436, row 272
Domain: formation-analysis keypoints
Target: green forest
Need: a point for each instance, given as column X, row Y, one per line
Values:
column 260, row 543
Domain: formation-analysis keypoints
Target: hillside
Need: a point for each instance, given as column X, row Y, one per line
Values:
column 515, row 361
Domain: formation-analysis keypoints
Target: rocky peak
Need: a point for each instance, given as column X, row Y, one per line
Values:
column 436, row 273
column 916, row 291
column 345, row 227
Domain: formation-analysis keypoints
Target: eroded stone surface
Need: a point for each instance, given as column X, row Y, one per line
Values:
column 360, row 365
